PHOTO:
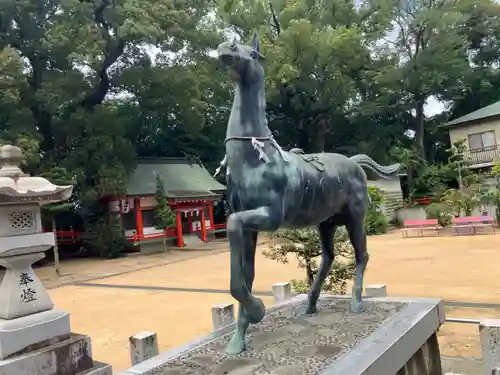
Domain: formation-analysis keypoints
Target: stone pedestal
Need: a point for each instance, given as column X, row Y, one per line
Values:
column 222, row 316
column 282, row 292
column 21, row 292
column 72, row 356
column 392, row 337
column 489, row 334
column 143, row 346
column 376, row 290
column 35, row 338
column 28, row 332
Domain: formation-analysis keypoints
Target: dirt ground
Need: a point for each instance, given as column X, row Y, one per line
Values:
column 452, row 268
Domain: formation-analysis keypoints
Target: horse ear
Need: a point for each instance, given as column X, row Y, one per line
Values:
column 255, row 42
column 256, row 47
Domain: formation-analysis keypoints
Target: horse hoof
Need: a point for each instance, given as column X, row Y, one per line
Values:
column 311, row 310
column 236, row 345
column 257, row 312
column 357, row 307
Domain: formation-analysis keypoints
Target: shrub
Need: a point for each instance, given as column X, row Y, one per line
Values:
column 105, row 239
column 164, row 216
column 462, row 201
column 305, row 245
column 440, row 211
column 375, row 220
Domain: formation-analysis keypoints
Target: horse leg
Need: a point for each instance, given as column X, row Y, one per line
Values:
column 262, row 218
column 356, row 229
column 237, row 343
column 326, row 234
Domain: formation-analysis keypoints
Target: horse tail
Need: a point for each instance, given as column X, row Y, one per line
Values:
column 386, row 172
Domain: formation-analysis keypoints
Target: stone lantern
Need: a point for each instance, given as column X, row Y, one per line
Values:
column 32, row 332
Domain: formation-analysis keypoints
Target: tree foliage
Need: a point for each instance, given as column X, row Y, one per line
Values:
column 305, row 246
column 164, row 216
column 375, row 220
column 86, row 86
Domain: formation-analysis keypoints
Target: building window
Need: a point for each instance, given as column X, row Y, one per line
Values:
column 129, row 221
column 482, row 141
column 148, row 218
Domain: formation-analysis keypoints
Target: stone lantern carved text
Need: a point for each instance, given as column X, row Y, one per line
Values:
column 27, row 198
column 28, row 294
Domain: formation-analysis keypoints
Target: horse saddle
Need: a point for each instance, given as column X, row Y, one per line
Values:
column 313, row 160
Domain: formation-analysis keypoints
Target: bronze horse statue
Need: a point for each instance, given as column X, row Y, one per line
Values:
column 268, row 188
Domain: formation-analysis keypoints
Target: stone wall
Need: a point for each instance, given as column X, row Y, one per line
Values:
column 426, row 361
column 393, row 195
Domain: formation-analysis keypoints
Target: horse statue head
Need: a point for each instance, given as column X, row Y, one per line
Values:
column 242, row 61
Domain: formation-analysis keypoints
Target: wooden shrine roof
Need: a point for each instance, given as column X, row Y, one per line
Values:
column 182, row 178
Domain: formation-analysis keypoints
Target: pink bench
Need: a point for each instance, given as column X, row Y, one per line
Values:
column 429, row 225
column 473, row 222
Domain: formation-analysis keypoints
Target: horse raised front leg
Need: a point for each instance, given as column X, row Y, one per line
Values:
column 357, row 235
column 262, row 218
column 243, row 322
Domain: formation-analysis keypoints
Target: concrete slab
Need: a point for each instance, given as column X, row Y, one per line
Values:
column 379, row 341
column 462, row 365
column 110, row 316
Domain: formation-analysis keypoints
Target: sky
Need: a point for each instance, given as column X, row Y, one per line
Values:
column 433, row 107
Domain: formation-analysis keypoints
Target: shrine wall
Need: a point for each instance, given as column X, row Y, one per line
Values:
column 393, row 195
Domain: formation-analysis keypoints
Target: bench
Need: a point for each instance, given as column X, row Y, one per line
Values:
column 218, row 228
column 429, row 225
column 473, row 222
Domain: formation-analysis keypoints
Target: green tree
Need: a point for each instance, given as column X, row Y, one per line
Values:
column 65, row 66
column 491, row 194
column 316, row 55
column 375, row 220
column 482, row 83
column 164, row 216
column 305, row 245
column 464, row 201
column 410, row 161
column 58, row 176
column 431, row 55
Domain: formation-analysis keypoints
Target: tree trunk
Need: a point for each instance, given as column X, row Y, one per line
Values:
column 114, row 48
column 310, row 273
column 419, row 126
column 320, row 135
column 303, row 137
column 409, row 180
column 56, row 248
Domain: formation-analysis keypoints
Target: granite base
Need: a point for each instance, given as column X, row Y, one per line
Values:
column 384, row 340
column 99, row 368
column 32, row 331
column 67, row 357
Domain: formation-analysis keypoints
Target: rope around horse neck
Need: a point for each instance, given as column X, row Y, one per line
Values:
column 246, row 138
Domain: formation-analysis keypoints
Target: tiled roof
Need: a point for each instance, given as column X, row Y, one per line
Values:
column 482, row 113
column 182, row 178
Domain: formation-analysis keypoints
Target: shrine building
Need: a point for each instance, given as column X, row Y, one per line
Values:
column 191, row 192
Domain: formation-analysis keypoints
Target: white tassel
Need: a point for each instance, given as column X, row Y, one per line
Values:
column 221, row 165
column 259, row 147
